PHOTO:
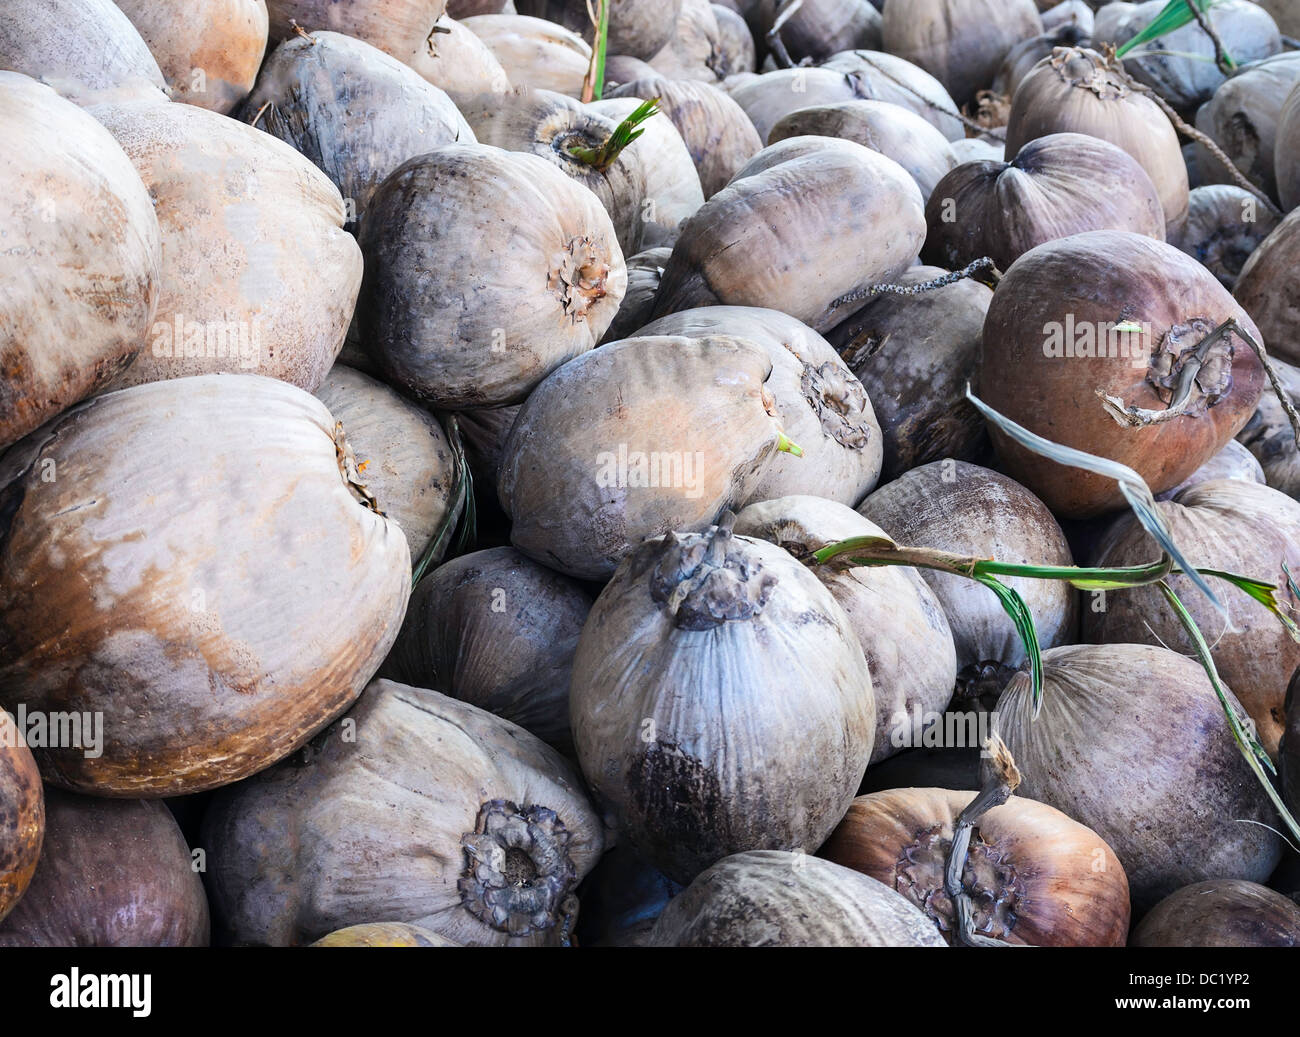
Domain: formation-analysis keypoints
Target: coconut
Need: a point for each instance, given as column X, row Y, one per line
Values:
column 768, row 898
column 1269, row 436
column 485, row 431
column 897, row 618
column 498, row 631
column 781, row 217
column 1234, row 461
column 637, row 28
column 712, row 668
column 483, row 830
column 693, row 51
column 209, row 52
column 131, row 526
column 258, row 273
column 1286, row 168
column 1123, row 733
column 1285, row 14
column 915, row 355
column 963, row 508
column 397, row 27
column 974, row 149
column 1035, row 877
column 877, row 76
column 634, row 440
column 1221, row 913
column 538, row 53
column 1073, row 13
column 960, row 42
column 22, row 815
column 112, row 873
column 457, row 61
column 82, row 262
column 1053, row 341
column 87, row 50
column 1058, row 185
column 716, row 129
column 735, row 45
column 1225, row 225
column 383, row 934
column 356, row 112
column 1022, row 58
column 1267, row 288
column 893, row 131
column 644, row 271
column 818, row 29
column 1074, row 91
column 459, row 331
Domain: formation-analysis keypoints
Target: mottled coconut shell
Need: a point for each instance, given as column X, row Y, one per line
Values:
column 416, row 808
column 637, row 28
column 458, row 62
column 258, row 275
column 717, row 132
column 959, row 42
column 22, row 815
column 768, row 898
column 81, row 264
column 208, row 51
column 189, row 556
column 401, row 452
column 1232, row 526
column 87, row 50
column 485, row 271
column 1225, row 225
column 534, row 52
column 1221, row 913
column 888, row 128
column 1124, row 732
column 550, row 125
column 821, row 405
column 498, row 631
column 112, row 873
column 915, row 355
column 818, row 29
column 1036, row 877
column 355, row 111
column 969, row 510
column 396, row 27
column 797, row 236
column 1072, row 91
column 690, row 417
column 384, row 934
column 711, row 670
column 644, row 271
column 877, row 76
column 1269, row 289
column 1068, row 296
column 1058, row 185
column 899, row 622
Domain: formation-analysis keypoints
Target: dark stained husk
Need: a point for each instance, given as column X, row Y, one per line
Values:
column 22, row 816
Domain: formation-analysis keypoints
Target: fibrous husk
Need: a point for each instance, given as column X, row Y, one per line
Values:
column 1269, row 288
column 481, row 831
column 457, row 329
column 1058, row 185
column 899, row 622
column 82, row 259
column 1022, row 58
column 632, row 441
column 455, row 60
column 485, row 431
column 201, row 561
column 537, row 53
column 1123, row 733
column 22, row 814
column 735, row 44
column 1269, row 436
column 258, row 274
column 915, row 355
column 1225, row 225
column 770, row 898
column 712, row 668
column 1221, row 913
column 693, row 51
column 1074, row 13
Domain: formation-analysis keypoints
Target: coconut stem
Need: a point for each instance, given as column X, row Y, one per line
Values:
column 1221, row 57
column 1274, row 380
column 302, row 32
column 925, row 286
column 774, row 41
column 1004, row 780
column 593, row 83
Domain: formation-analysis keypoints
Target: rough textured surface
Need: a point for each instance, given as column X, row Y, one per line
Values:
column 188, row 556
column 415, row 808
column 22, row 816
column 1221, row 913
column 1269, row 289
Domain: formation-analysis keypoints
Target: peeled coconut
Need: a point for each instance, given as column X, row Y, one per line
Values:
column 898, row 620
column 131, row 526
column 496, row 630
column 1232, row 526
column 536, row 53
column 1123, row 733
column 87, row 50
column 1074, row 91
column 1225, row 225
column 112, row 873
column 82, row 260
column 888, row 128
column 1036, row 877
column 355, row 111
column 208, row 51
column 798, row 235
column 875, row 75
column 968, row 510
column 1058, row 185
column 1221, row 913
column 1114, row 312
column 22, row 815
column 959, row 42
column 767, row 898
column 634, row 440
column 711, row 670
column 458, row 62
column 458, row 329
column 258, row 274
column 415, row 808
column 915, row 355
column 397, row 27
column 1269, row 288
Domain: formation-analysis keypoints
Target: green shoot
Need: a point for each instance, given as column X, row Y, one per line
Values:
column 1174, row 15
column 601, row 158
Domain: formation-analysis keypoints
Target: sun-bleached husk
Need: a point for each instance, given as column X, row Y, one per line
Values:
column 397, row 27
column 878, row 76
column 534, row 52
column 456, row 61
